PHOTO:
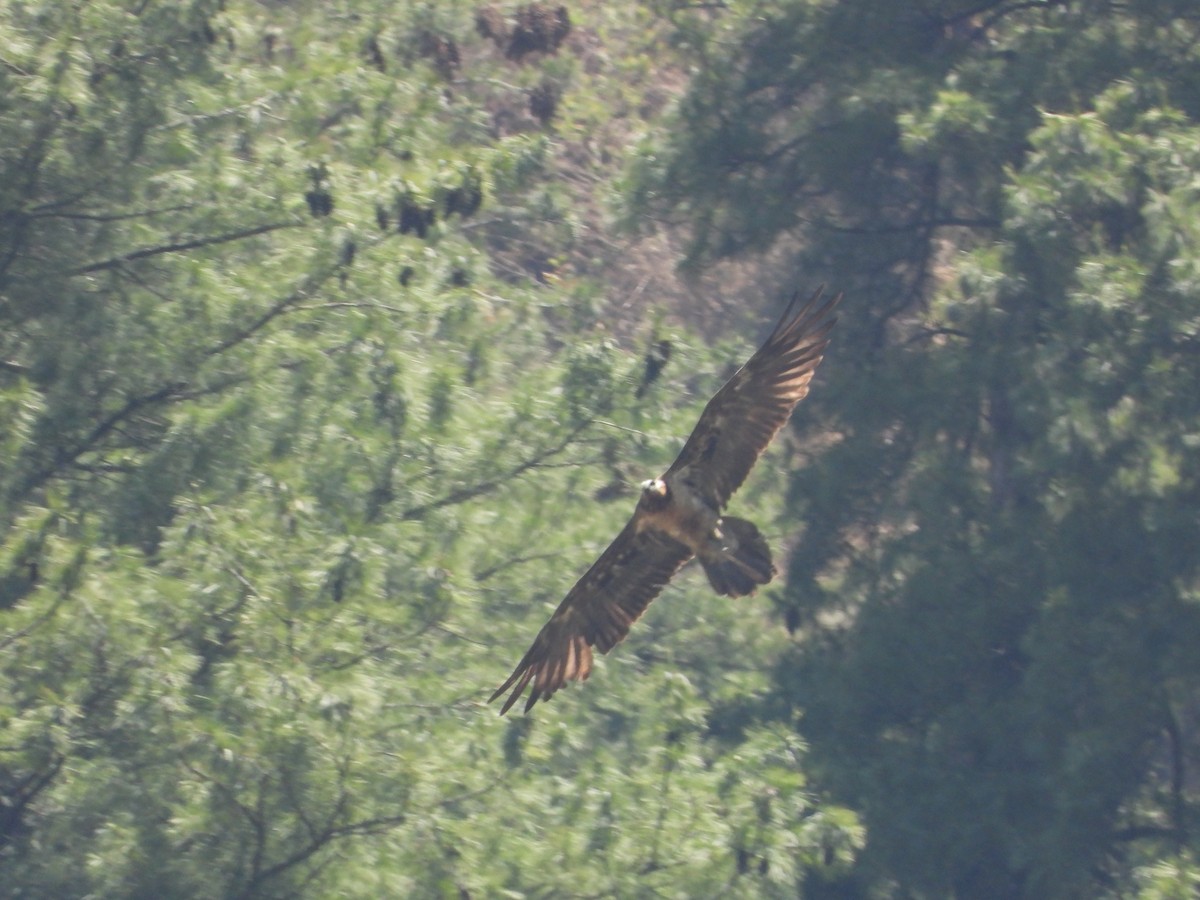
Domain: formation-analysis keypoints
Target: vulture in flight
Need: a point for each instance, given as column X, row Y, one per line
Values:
column 679, row 515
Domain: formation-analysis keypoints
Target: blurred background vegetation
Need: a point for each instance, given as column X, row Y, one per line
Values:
column 324, row 331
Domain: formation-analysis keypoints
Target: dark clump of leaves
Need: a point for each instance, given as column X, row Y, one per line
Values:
column 516, row 736
column 270, row 40
column 347, row 252
column 442, row 50
column 491, row 24
column 18, row 582
column 320, row 202
column 374, row 53
column 538, row 29
column 413, row 217
column 543, row 101
column 319, row 197
column 466, row 198
column 657, row 357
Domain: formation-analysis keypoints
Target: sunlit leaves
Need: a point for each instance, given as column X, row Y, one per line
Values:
column 308, row 401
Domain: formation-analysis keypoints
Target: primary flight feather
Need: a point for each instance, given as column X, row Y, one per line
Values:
column 679, row 516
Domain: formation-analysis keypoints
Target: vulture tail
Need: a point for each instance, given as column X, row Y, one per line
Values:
column 737, row 559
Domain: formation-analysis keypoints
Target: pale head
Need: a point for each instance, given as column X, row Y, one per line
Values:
column 655, row 495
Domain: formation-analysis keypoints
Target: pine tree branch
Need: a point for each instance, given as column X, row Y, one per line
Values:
column 180, row 247
column 487, row 485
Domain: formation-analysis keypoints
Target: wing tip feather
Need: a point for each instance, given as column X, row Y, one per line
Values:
column 814, row 319
column 544, row 677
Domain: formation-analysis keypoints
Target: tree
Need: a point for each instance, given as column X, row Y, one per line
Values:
column 994, row 591
column 310, row 410
column 213, row 450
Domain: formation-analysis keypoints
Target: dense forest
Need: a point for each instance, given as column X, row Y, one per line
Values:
column 331, row 354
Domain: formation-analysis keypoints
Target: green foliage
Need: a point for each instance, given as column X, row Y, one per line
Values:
column 307, row 399
column 995, row 590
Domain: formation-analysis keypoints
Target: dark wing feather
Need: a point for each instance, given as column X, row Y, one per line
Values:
column 598, row 612
column 747, row 412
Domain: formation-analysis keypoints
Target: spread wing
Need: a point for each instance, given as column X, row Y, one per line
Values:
column 598, row 612
column 747, row 412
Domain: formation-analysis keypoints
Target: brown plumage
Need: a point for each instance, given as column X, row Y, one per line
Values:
column 679, row 515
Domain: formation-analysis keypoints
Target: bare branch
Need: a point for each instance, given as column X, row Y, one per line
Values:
column 180, row 247
column 487, row 485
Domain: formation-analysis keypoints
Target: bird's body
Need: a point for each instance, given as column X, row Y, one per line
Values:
column 675, row 508
column 734, row 555
column 680, row 514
